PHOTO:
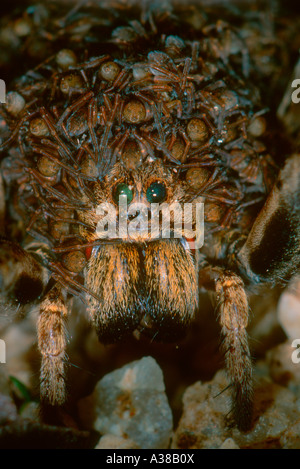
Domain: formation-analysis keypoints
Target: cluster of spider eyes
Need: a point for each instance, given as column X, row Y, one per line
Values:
column 155, row 193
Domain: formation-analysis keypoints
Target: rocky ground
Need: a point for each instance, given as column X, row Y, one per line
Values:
column 146, row 395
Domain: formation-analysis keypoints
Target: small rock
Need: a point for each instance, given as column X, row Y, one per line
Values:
column 264, row 327
column 4, row 380
column 229, row 444
column 289, row 310
column 8, row 410
column 275, row 411
column 291, row 438
column 204, row 423
column 282, row 368
column 131, row 403
column 31, row 411
column 115, row 442
column 20, row 341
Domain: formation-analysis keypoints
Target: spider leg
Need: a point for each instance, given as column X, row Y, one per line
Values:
column 233, row 310
column 52, row 345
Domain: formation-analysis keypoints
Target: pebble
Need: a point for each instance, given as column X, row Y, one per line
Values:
column 204, row 424
column 31, row 411
column 21, row 351
column 283, row 369
column 288, row 310
column 8, row 410
column 131, row 403
column 229, row 444
column 115, row 442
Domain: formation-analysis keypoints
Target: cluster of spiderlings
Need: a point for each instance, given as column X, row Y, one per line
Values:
column 153, row 96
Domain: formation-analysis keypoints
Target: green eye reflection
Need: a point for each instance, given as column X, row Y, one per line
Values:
column 156, row 192
column 123, row 190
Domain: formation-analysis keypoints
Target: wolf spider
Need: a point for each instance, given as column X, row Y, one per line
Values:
column 172, row 127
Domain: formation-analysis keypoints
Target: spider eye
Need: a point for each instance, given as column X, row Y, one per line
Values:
column 156, row 192
column 122, row 190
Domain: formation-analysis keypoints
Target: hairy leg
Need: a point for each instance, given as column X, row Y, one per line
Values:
column 233, row 311
column 232, row 305
column 52, row 343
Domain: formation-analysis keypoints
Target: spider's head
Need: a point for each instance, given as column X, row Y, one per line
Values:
column 143, row 275
column 137, row 204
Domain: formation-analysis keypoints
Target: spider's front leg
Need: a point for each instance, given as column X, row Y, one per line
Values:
column 22, row 280
column 52, row 343
column 233, row 309
column 271, row 253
